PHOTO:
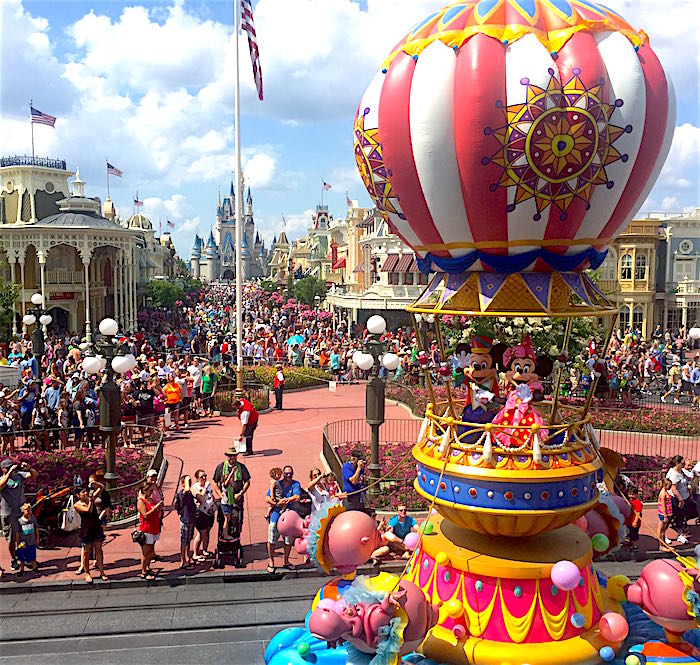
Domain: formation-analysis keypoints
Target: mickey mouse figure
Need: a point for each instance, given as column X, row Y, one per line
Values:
column 523, row 367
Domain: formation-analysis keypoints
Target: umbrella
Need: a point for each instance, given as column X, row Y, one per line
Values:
column 295, row 339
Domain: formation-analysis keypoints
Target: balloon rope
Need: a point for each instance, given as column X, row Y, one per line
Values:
column 381, row 478
column 421, row 347
column 594, row 383
column 553, row 416
column 441, row 345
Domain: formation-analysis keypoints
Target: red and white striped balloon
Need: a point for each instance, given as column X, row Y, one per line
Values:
column 521, row 153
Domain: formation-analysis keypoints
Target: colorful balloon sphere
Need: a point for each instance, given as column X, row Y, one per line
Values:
column 514, row 135
column 613, row 627
column 565, row 575
column 428, row 528
column 600, row 542
column 607, row 654
column 411, row 540
column 578, row 620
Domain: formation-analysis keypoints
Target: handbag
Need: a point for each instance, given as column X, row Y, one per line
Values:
column 138, row 536
column 71, row 519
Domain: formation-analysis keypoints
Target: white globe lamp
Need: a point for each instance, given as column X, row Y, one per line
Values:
column 130, row 362
column 102, row 363
column 29, row 319
column 376, row 325
column 356, row 356
column 694, row 333
column 45, row 320
column 365, row 361
column 91, row 365
column 37, row 299
column 120, row 364
column 390, row 361
column 108, row 327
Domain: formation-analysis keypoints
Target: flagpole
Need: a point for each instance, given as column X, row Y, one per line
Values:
column 107, row 162
column 32, row 125
column 322, row 182
column 239, row 230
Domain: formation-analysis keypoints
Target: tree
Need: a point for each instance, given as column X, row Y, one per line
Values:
column 307, row 288
column 181, row 268
column 165, row 294
column 8, row 296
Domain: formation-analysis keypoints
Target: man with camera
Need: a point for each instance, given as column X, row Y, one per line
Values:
column 12, row 497
column 354, row 481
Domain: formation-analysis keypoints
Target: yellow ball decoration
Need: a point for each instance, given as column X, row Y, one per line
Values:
column 535, row 427
column 454, row 608
column 488, row 427
column 442, row 559
column 616, row 587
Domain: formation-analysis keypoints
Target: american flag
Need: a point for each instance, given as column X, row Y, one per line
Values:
column 347, row 200
column 248, row 26
column 113, row 170
column 138, row 203
column 326, row 186
column 41, row 118
column 171, row 224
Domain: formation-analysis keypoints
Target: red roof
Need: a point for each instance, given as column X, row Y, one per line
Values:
column 404, row 263
column 340, row 263
column 390, row 262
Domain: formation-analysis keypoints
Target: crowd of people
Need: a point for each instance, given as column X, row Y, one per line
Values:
column 184, row 356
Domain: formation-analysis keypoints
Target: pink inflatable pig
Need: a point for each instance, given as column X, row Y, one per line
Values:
column 360, row 624
column 659, row 592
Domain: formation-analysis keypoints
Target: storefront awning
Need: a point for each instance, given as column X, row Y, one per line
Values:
column 390, row 262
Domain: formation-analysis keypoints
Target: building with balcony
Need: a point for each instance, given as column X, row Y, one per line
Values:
column 86, row 264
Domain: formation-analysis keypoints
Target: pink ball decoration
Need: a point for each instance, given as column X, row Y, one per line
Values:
column 581, row 523
column 565, row 575
column 613, row 627
column 411, row 540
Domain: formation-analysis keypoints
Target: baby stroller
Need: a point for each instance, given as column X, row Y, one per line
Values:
column 229, row 548
column 48, row 511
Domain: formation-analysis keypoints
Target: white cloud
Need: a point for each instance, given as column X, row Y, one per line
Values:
column 670, row 203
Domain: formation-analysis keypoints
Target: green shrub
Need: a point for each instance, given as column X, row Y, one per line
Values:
column 295, row 377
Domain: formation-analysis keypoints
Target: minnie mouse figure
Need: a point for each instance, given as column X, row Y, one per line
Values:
column 523, row 367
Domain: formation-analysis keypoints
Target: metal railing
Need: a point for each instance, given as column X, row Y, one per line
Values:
column 28, row 160
column 64, row 276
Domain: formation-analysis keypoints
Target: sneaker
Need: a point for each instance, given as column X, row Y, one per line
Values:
column 676, row 400
column 682, row 540
column 663, row 399
column 14, row 564
column 668, row 541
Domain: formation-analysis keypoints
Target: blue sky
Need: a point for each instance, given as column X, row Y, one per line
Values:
column 149, row 84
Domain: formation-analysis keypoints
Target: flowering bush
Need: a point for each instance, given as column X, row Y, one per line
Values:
column 60, row 467
column 294, row 377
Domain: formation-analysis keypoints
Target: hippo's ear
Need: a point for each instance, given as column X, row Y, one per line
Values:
column 398, row 594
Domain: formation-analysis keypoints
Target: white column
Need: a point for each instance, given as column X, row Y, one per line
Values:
column 88, row 329
column 129, row 315
column 134, row 301
column 21, row 292
column 42, row 272
column 114, row 287
column 14, row 302
column 122, row 301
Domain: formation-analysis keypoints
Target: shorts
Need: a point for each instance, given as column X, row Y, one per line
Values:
column 273, row 535
column 26, row 554
column 196, row 392
column 10, row 527
column 151, row 538
column 186, row 532
column 92, row 538
column 144, row 419
column 662, row 518
column 227, row 509
column 204, row 522
column 185, row 402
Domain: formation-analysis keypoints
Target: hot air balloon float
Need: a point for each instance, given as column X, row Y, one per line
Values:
column 508, row 142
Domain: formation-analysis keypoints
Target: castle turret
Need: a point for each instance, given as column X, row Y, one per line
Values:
column 196, row 256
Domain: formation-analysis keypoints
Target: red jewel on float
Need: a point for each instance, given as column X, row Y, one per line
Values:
column 443, row 486
column 472, row 492
column 544, row 496
column 508, row 496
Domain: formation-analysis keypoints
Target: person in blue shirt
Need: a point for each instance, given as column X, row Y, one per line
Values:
column 289, row 495
column 353, row 472
column 27, row 397
column 399, row 526
column 53, row 395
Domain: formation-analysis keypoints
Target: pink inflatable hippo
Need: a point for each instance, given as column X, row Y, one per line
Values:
column 360, row 624
column 659, row 592
column 341, row 539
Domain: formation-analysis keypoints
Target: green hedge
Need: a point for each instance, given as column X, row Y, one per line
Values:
column 294, row 377
column 223, row 402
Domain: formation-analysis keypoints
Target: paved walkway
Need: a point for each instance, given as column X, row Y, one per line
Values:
column 292, row 436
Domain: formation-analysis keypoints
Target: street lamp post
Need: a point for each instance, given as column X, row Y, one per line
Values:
column 372, row 358
column 37, row 313
column 114, row 357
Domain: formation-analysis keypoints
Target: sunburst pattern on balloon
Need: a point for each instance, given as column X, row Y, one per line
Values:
column 555, row 147
column 373, row 171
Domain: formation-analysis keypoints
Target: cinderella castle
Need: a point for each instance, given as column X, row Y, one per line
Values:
column 216, row 259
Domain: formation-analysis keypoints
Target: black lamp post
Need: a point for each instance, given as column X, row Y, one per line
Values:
column 371, row 359
column 114, row 357
column 37, row 315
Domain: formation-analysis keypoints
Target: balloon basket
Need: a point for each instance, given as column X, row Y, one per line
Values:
column 499, row 604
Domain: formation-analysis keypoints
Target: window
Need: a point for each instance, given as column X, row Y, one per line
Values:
column 608, row 269
column 422, row 278
column 624, row 317
column 640, row 268
column 407, row 278
column 637, row 317
column 393, row 278
column 626, row 266
column 683, row 269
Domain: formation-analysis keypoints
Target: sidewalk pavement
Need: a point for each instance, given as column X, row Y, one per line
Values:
column 291, row 436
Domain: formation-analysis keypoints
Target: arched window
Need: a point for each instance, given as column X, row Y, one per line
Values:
column 640, row 268
column 637, row 317
column 626, row 266
column 608, row 271
column 624, row 317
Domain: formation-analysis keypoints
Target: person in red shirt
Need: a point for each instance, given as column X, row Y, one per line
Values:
column 278, row 386
column 634, row 521
column 249, row 423
column 170, row 341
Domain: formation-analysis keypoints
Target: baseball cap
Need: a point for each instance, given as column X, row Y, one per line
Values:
column 357, row 454
column 6, row 463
